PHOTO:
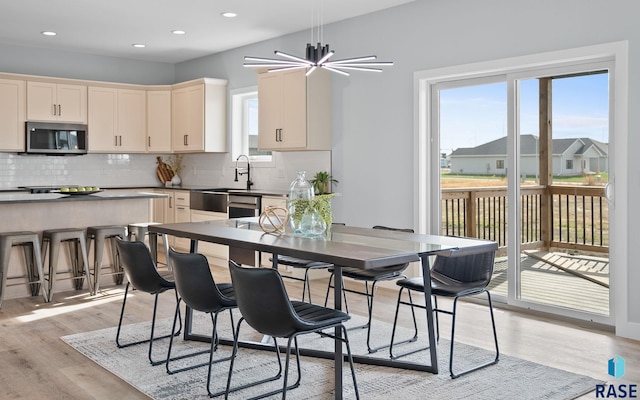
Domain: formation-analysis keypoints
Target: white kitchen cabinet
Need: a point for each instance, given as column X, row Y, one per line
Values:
column 159, row 121
column 12, row 115
column 182, row 213
column 199, row 116
column 294, row 111
column 273, row 201
column 117, row 120
column 58, row 102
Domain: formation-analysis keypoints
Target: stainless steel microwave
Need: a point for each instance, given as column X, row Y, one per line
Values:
column 56, row 138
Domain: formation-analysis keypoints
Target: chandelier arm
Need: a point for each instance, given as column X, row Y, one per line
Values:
column 335, row 70
column 357, row 68
column 267, row 65
column 310, row 71
column 301, row 60
column 364, row 64
column 354, row 59
column 326, row 57
column 287, row 68
column 270, row 60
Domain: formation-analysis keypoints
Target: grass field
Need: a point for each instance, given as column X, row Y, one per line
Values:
column 450, row 180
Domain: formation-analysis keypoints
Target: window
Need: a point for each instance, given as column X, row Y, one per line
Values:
column 569, row 164
column 244, row 128
column 499, row 164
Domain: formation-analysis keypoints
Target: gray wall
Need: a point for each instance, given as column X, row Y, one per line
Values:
column 373, row 117
column 373, row 114
column 59, row 64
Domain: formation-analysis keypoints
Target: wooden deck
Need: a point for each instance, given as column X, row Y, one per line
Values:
column 559, row 279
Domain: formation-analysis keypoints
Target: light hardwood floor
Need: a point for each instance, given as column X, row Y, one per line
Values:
column 35, row 363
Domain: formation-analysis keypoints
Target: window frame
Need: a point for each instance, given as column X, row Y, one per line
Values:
column 239, row 114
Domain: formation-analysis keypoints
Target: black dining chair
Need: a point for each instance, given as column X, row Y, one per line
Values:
column 265, row 306
column 374, row 276
column 142, row 275
column 198, row 290
column 307, row 266
column 463, row 273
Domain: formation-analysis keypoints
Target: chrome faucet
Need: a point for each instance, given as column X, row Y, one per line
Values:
column 247, row 172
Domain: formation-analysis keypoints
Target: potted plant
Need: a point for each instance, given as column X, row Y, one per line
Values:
column 320, row 204
column 322, row 182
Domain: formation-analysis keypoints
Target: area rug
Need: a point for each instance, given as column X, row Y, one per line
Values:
column 511, row 378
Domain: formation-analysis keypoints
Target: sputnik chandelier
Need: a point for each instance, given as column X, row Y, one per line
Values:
column 316, row 57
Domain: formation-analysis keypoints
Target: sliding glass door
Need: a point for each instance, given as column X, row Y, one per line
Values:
column 524, row 160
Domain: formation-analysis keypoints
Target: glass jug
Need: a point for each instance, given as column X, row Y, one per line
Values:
column 301, row 195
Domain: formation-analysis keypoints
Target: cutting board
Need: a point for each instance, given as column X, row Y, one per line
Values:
column 163, row 171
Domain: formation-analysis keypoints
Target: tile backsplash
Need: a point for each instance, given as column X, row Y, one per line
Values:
column 126, row 170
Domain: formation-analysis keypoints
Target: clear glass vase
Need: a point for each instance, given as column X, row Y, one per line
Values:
column 312, row 224
column 301, row 194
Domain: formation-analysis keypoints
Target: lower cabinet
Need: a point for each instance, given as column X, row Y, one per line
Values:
column 182, row 213
column 219, row 252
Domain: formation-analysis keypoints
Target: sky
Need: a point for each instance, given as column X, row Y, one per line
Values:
column 473, row 115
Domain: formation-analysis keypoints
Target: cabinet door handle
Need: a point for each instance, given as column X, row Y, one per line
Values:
column 116, row 138
column 59, row 109
column 120, row 140
column 185, row 140
column 55, row 110
column 149, row 141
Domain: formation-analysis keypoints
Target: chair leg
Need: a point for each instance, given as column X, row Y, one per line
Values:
column 345, row 339
column 495, row 338
column 153, row 322
column 344, row 294
column 306, row 285
column 214, row 322
column 395, row 323
column 229, row 389
column 118, row 271
column 211, row 362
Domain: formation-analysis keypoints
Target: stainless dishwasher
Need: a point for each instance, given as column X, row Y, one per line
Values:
column 244, row 206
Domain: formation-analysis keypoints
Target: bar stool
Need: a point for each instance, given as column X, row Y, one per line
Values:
column 30, row 243
column 99, row 234
column 138, row 230
column 74, row 237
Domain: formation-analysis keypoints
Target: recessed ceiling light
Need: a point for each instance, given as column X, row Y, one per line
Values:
column 229, row 14
column 139, row 45
column 178, row 32
column 48, row 33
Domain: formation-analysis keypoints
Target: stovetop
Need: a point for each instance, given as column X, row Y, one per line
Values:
column 40, row 189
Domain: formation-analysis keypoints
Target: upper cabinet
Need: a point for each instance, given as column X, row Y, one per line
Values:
column 199, row 116
column 294, row 110
column 117, row 120
column 12, row 115
column 159, row 121
column 56, row 102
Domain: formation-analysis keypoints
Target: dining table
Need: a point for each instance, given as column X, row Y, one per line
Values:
column 342, row 246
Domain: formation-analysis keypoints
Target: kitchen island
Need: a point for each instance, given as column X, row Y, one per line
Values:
column 21, row 211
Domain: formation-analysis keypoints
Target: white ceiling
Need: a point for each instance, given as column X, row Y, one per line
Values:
column 111, row 27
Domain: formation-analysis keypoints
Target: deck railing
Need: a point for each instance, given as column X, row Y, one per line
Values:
column 578, row 219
